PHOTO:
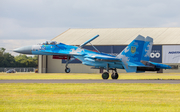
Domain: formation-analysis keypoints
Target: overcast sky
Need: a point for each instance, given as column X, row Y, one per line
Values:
column 27, row 22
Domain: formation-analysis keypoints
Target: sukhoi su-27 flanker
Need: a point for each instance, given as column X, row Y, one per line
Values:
column 134, row 58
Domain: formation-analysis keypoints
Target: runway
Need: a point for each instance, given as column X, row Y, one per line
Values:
column 89, row 81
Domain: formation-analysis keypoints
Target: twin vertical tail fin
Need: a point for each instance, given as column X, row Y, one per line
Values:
column 147, row 49
column 133, row 52
column 131, row 55
column 139, row 49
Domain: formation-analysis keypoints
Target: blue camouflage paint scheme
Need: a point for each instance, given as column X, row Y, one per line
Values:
column 146, row 51
column 105, row 49
column 129, row 59
column 115, row 50
column 127, row 56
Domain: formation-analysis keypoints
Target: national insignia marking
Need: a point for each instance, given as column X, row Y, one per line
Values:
column 133, row 49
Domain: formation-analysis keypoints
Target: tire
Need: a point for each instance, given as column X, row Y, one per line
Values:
column 114, row 76
column 105, row 75
column 67, row 70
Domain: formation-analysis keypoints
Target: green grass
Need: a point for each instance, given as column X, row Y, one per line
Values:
column 88, row 76
column 89, row 97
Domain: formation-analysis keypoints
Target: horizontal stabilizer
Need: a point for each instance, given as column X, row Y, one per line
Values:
column 136, row 64
column 130, row 69
column 132, row 66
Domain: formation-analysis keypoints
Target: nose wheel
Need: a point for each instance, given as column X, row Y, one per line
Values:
column 69, row 59
column 67, row 70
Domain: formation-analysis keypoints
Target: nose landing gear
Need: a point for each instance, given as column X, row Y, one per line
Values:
column 69, row 59
column 67, row 70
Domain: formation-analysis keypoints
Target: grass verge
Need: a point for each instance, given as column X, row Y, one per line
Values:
column 89, row 97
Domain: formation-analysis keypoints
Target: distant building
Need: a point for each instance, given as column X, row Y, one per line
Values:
column 166, row 47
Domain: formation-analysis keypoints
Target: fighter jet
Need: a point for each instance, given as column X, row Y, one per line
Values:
column 134, row 58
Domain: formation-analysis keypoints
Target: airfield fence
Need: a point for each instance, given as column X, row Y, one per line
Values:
column 29, row 69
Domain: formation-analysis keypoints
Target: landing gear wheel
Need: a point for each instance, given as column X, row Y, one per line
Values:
column 105, row 75
column 67, row 70
column 114, row 76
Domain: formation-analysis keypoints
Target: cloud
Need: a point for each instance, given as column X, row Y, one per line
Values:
column 91, row 13
column 10, row 29
column 45, row 19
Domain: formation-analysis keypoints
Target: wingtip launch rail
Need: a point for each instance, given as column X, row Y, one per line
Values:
column 82, row 45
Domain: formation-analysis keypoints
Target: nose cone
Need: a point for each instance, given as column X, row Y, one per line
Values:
column 24, row 50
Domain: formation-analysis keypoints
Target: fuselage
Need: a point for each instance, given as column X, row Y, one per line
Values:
column 84, row 55
column 87, row 57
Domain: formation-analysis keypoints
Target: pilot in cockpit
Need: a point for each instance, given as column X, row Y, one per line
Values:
column 53, row 42
column 49, row 43
column 46, row 43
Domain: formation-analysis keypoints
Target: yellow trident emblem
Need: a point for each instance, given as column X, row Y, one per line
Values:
column 133, row 49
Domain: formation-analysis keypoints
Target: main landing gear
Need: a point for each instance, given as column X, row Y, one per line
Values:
column 105, row 75
column 114, row 74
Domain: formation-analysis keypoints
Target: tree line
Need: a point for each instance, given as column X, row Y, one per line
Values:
column 8, row 60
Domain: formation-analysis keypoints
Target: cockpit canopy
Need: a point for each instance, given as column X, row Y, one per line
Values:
column 48, row 43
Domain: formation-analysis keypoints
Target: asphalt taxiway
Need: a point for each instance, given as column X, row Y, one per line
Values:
column 89, row 81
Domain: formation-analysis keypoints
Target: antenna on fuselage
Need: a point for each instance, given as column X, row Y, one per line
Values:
column 82, row 45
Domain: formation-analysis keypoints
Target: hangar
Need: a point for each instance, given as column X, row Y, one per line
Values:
column 166, row 47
